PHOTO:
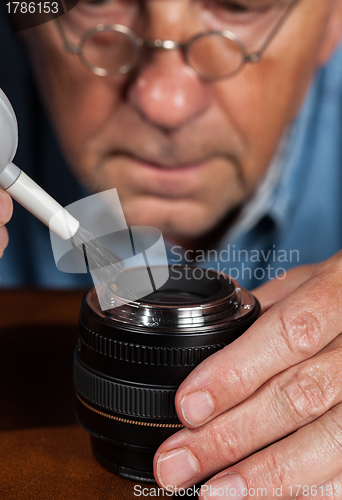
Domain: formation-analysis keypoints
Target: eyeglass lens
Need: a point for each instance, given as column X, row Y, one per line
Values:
column 211, row 55
column 215, row 55
column 109, row 50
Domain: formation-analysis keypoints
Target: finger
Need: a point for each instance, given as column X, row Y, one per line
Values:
column 330, row 490
column 273, row 291
column 310, row 457
column 289, row 401
column 3, row 240
column 294, row 329
column 6, row 207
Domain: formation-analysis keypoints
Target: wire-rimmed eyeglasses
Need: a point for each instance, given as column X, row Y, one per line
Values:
column 113, row 49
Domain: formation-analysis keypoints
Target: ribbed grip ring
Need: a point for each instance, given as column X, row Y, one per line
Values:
column 146, row 355
column 125, row 399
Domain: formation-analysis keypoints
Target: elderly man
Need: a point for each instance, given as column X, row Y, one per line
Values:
column 190, row 109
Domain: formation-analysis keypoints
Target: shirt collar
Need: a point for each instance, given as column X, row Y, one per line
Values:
column 279, row 191
column 262, row 202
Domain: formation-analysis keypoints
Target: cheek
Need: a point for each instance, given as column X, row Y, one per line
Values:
column 80, row 103
column 260, row 103
column 266, row 96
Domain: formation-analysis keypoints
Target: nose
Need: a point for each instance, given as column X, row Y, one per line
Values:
column 167, row 92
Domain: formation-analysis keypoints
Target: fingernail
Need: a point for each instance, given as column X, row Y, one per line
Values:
column 197, row 407
column 177, row 467
column 229, row 486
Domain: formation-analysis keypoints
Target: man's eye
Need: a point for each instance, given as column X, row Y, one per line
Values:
column 241, row 7
column 96, row 2
column 232, row 6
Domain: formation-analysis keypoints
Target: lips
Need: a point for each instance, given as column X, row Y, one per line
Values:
column 169, row 168
column 169, row 164
column 162, row 180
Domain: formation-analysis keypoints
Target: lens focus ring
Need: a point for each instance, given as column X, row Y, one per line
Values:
column 144, row 354
column 125, row 399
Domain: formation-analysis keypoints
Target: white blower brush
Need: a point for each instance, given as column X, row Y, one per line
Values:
column 104, row 263
column 21, row 187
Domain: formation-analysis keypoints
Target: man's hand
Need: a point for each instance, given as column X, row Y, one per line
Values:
column 265, row 412
column 6, row 209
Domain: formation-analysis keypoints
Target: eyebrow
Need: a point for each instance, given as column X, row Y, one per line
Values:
column 250, row 3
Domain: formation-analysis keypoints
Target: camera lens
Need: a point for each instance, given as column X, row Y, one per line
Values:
column 130, row 360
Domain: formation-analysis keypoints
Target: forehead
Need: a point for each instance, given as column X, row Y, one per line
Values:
column 238, row 3
column 256, row 3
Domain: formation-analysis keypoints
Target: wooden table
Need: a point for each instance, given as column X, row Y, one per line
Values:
column 44, row 453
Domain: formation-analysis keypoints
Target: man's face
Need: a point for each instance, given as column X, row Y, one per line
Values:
column 182, row 152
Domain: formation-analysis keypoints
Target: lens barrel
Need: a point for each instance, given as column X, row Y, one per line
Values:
column 130, row 360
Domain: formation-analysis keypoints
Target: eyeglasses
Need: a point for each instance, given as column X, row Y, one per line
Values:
column 113, row 49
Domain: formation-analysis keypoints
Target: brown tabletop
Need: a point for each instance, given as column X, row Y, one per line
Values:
column 44, row 454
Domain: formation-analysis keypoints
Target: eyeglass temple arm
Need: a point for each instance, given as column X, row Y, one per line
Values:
column 256, row 56
column 75, row 49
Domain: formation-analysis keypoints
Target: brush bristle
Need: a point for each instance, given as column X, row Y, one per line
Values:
column 99, row 258
column 104, row 263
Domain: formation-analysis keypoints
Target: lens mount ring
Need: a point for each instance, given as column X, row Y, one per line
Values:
column 193, row 297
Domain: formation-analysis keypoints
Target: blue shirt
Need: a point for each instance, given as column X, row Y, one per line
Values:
column 297, row 221
column 304, row 218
